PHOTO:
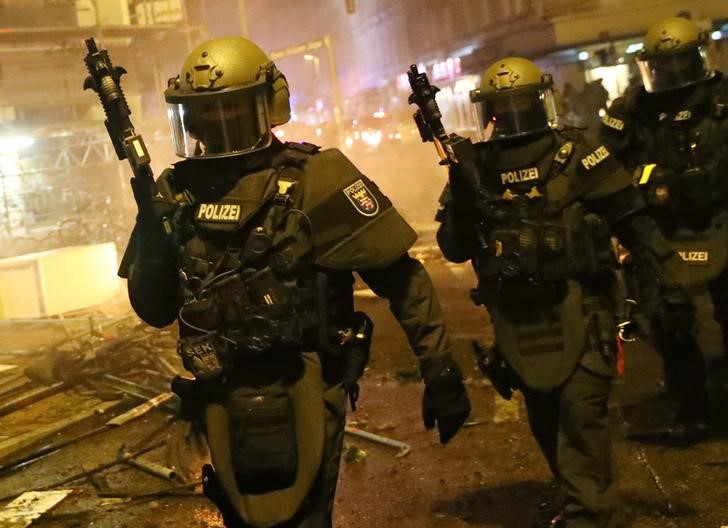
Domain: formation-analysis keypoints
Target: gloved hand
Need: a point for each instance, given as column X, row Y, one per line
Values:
column 153, row 220
column 152, row 206
column 671, row 291
column 195, row 395
column 192, row 405
column 447, row 408
column 676, row 311
column 445, row 402
column 464, row 184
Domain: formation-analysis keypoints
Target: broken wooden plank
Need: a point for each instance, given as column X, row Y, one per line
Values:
column 16, row 385
column 29, row 506
column 6, row 368
column 141, row 410
column 31, row 396
column 22, row 441
column 83, row 474
column 49, row 448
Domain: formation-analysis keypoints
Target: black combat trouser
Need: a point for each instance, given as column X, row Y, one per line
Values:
column 683, row 368
column 673, row 335
column 571, row 426
column 321, row 505
column 719, row 295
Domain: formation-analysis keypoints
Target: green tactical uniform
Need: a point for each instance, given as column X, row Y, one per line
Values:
column 258, row 274
column 334, row 223
column 538, row 235
column 675, row 139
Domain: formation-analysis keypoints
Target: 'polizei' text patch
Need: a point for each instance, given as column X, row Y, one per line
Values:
column 613, row 122
column 216, row 212
column 596, row 157
column 695, row 258
column 519, row 175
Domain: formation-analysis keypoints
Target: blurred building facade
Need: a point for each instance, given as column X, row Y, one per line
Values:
column 345, row 60
column 375, row 41
column 60, row 180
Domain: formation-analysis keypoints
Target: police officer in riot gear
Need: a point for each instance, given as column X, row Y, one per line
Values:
column 251, row 250
column 534, row 213
column 673, row 133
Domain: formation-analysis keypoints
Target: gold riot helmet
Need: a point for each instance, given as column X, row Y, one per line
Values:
column 225, row 100
column 675, row 54
column 515, row 99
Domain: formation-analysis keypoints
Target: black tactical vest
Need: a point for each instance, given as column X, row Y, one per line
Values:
column 532, row 227
column 681, row 140
column 248, row 282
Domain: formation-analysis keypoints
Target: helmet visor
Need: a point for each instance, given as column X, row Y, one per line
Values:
column 513, row 113
column 215, row 125
column 667, row 71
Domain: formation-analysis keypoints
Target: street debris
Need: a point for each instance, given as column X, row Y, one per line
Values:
column 404, row 448
column 353, row 453
column 30, row 506
column 507, row 411
column 6, row 368
column 158, row 470
column 108, row 376
column 141, row 410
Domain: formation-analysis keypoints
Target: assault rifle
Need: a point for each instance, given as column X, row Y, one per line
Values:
column 105, row 79
column 452, row 149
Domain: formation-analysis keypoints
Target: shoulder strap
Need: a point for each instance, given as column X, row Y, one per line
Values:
column 569, row 139
column 560, row 182
column 290, row 162
column 296, row 154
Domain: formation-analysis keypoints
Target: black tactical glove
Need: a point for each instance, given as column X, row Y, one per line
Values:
column 192, row 405
column 153, row 208
column 445, row 402
column 464, row 184
column 154, row 218
column 195, row 395
column 676, row 311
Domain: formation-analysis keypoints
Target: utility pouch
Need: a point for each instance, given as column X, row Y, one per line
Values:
column 257, row 245
column 263, row 433
column 232, row 299
column 264, row 289
column 201, row 355
column 201, row 312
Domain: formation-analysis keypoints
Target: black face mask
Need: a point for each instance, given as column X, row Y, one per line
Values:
column 211, row 179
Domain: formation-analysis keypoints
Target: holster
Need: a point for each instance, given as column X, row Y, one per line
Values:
column 356, row 352
column 495, row 368
column 600, row 356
